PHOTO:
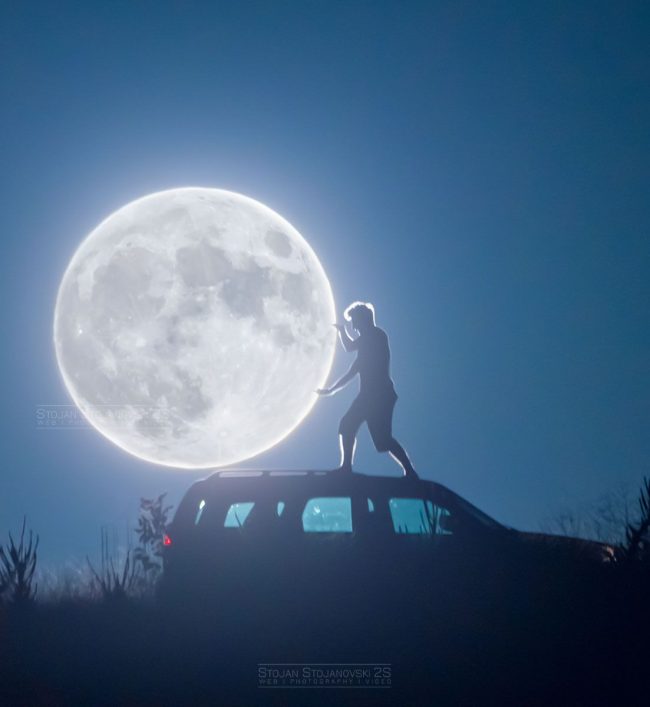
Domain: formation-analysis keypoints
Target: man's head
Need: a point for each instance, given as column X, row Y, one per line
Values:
column 361, row 314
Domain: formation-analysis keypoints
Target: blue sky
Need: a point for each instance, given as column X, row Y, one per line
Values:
column 478, row 170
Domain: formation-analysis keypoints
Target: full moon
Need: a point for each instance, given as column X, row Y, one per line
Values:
column 193, row 326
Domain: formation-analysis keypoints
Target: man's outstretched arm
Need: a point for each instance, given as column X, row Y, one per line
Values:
column 341, row 382
column 347, row 342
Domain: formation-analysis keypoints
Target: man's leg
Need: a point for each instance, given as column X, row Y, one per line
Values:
column 380, row 424
column 348, row 429
column 399, row 454
column 347, row 443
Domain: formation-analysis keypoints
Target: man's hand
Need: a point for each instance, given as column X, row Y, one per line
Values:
column 326, row 391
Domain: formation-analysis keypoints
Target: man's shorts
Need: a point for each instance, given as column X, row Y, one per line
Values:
column 377, row 412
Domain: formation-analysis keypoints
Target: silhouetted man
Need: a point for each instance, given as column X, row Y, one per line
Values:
column 376, row 400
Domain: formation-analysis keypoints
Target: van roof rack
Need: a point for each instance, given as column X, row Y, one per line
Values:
column 246, row 473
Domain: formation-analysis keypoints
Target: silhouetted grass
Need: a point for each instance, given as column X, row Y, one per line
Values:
column 17, row 568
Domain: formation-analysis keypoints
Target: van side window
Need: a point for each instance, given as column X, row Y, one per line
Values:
column 415, row 516
column 199, row 512
column 237, row 514
column 328, row 515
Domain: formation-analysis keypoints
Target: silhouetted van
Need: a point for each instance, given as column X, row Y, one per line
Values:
column 294, row 531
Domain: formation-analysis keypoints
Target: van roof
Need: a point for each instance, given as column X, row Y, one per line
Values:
column 224, row 478
column 319, row 481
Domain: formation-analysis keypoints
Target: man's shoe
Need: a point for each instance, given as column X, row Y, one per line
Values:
column 342, row 470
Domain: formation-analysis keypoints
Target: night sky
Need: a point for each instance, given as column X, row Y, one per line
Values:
column 479, row 171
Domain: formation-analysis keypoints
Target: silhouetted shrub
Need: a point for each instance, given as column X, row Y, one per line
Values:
column 152, row 523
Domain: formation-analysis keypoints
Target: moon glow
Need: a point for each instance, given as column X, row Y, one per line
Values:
column 193, row 326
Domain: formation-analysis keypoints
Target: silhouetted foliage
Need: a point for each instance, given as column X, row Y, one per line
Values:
column 636, row 532
column 604, row 520
column 114, row 584
column 153, row 520
column 17, row 567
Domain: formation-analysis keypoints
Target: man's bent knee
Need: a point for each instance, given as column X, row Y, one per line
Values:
column 384, row 444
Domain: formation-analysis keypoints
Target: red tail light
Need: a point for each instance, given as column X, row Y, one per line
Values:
column 167, row 541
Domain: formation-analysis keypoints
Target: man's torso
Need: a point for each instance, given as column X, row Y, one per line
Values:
column 373, row 357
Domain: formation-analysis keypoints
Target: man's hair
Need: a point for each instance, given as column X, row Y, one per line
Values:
column 360, row 312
